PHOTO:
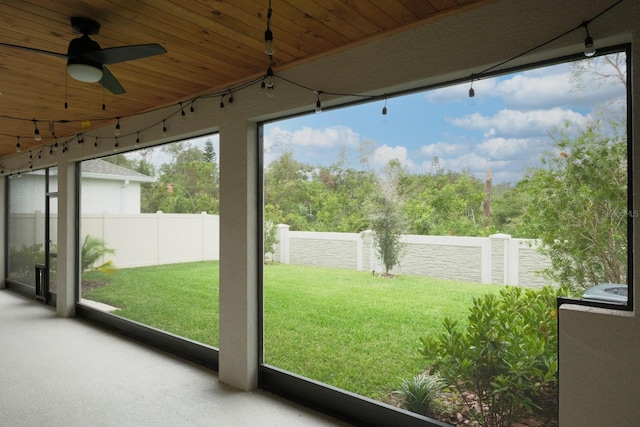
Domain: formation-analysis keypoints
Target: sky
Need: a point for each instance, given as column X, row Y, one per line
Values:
column 505, row 127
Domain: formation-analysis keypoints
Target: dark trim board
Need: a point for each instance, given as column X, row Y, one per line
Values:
column 350, row 407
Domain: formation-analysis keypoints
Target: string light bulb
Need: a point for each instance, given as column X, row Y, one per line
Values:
column 95, row 144
column 589, row 49
column 318, row 103
column 192, row 109
column 384, row 108
column 80, row 138
column 268, row 35
column 137, row 137
column 222, row 101
column 36, row 131
column 230, row 99
column 268, row 80
column 164, row 127
column 182, row 113
column 116, row 145
column 18, row 148
column 116, row 132
column 472, row 92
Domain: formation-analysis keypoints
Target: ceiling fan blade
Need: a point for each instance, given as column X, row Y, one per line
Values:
column 113, row 55
column 34, row 50
column 110, row 83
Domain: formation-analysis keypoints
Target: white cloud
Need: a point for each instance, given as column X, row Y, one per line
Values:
column 443, row 149
column 383, row 154
column 334, row 136
column 514, row 123
column 508, row 148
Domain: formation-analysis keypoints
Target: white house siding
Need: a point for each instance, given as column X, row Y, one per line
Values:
column 99, row 195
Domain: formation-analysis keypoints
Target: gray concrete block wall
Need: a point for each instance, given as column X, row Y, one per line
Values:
column 327, row 253
column 442, row 261
column 469, row 259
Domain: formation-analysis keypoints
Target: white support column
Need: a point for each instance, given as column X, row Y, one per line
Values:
column 238, row 357
column 65, row 306
column 3, row 236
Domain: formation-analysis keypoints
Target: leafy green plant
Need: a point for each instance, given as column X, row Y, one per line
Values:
column 93, row 249
column 507, row 355
column 22, row 262
column 420, row 393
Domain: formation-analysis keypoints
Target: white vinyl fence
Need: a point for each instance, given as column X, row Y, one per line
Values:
column 137, row 239
column 154, row 239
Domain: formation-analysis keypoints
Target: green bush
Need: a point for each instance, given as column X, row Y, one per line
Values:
column 22, row 262
column 93, row 249
column 507, row 355
column 420, row 393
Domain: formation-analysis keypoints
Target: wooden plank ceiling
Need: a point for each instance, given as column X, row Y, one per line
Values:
column 211, row 45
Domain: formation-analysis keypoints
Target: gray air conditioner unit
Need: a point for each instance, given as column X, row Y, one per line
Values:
column 613, row 293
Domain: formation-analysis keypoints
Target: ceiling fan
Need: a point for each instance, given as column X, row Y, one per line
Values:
column 86, row 60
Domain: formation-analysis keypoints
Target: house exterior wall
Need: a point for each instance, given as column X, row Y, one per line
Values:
column 98, row 195
column 112, row 196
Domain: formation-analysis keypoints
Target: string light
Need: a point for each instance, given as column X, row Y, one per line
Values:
column 267, row 82
column 18, row 148
column 95, row 144
column 36, row 132
column 116, row 145
column 268, row 35
column 182, row 113
column 589, row 50
column 318, row 104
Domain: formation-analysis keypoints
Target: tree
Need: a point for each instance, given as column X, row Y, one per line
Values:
column 387, row 220
column 188, row 183
column 578, row 206
column 209, row 152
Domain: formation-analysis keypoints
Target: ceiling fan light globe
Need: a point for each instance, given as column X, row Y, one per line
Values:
column 85, row 72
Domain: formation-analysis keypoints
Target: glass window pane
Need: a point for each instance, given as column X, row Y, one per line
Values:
column 149, row 237
column 392, row 226
column 26, row 231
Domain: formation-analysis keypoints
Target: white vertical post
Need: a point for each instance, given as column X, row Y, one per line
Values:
column 65, row 298
column 239, row 332
column 283, row 239
column 3, row 236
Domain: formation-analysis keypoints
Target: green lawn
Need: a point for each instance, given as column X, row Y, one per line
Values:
column 342, row 327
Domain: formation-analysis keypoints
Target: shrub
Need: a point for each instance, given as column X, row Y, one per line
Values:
column 22, row 262
column 420, row 393
column 92, row 250
column 507, row 355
